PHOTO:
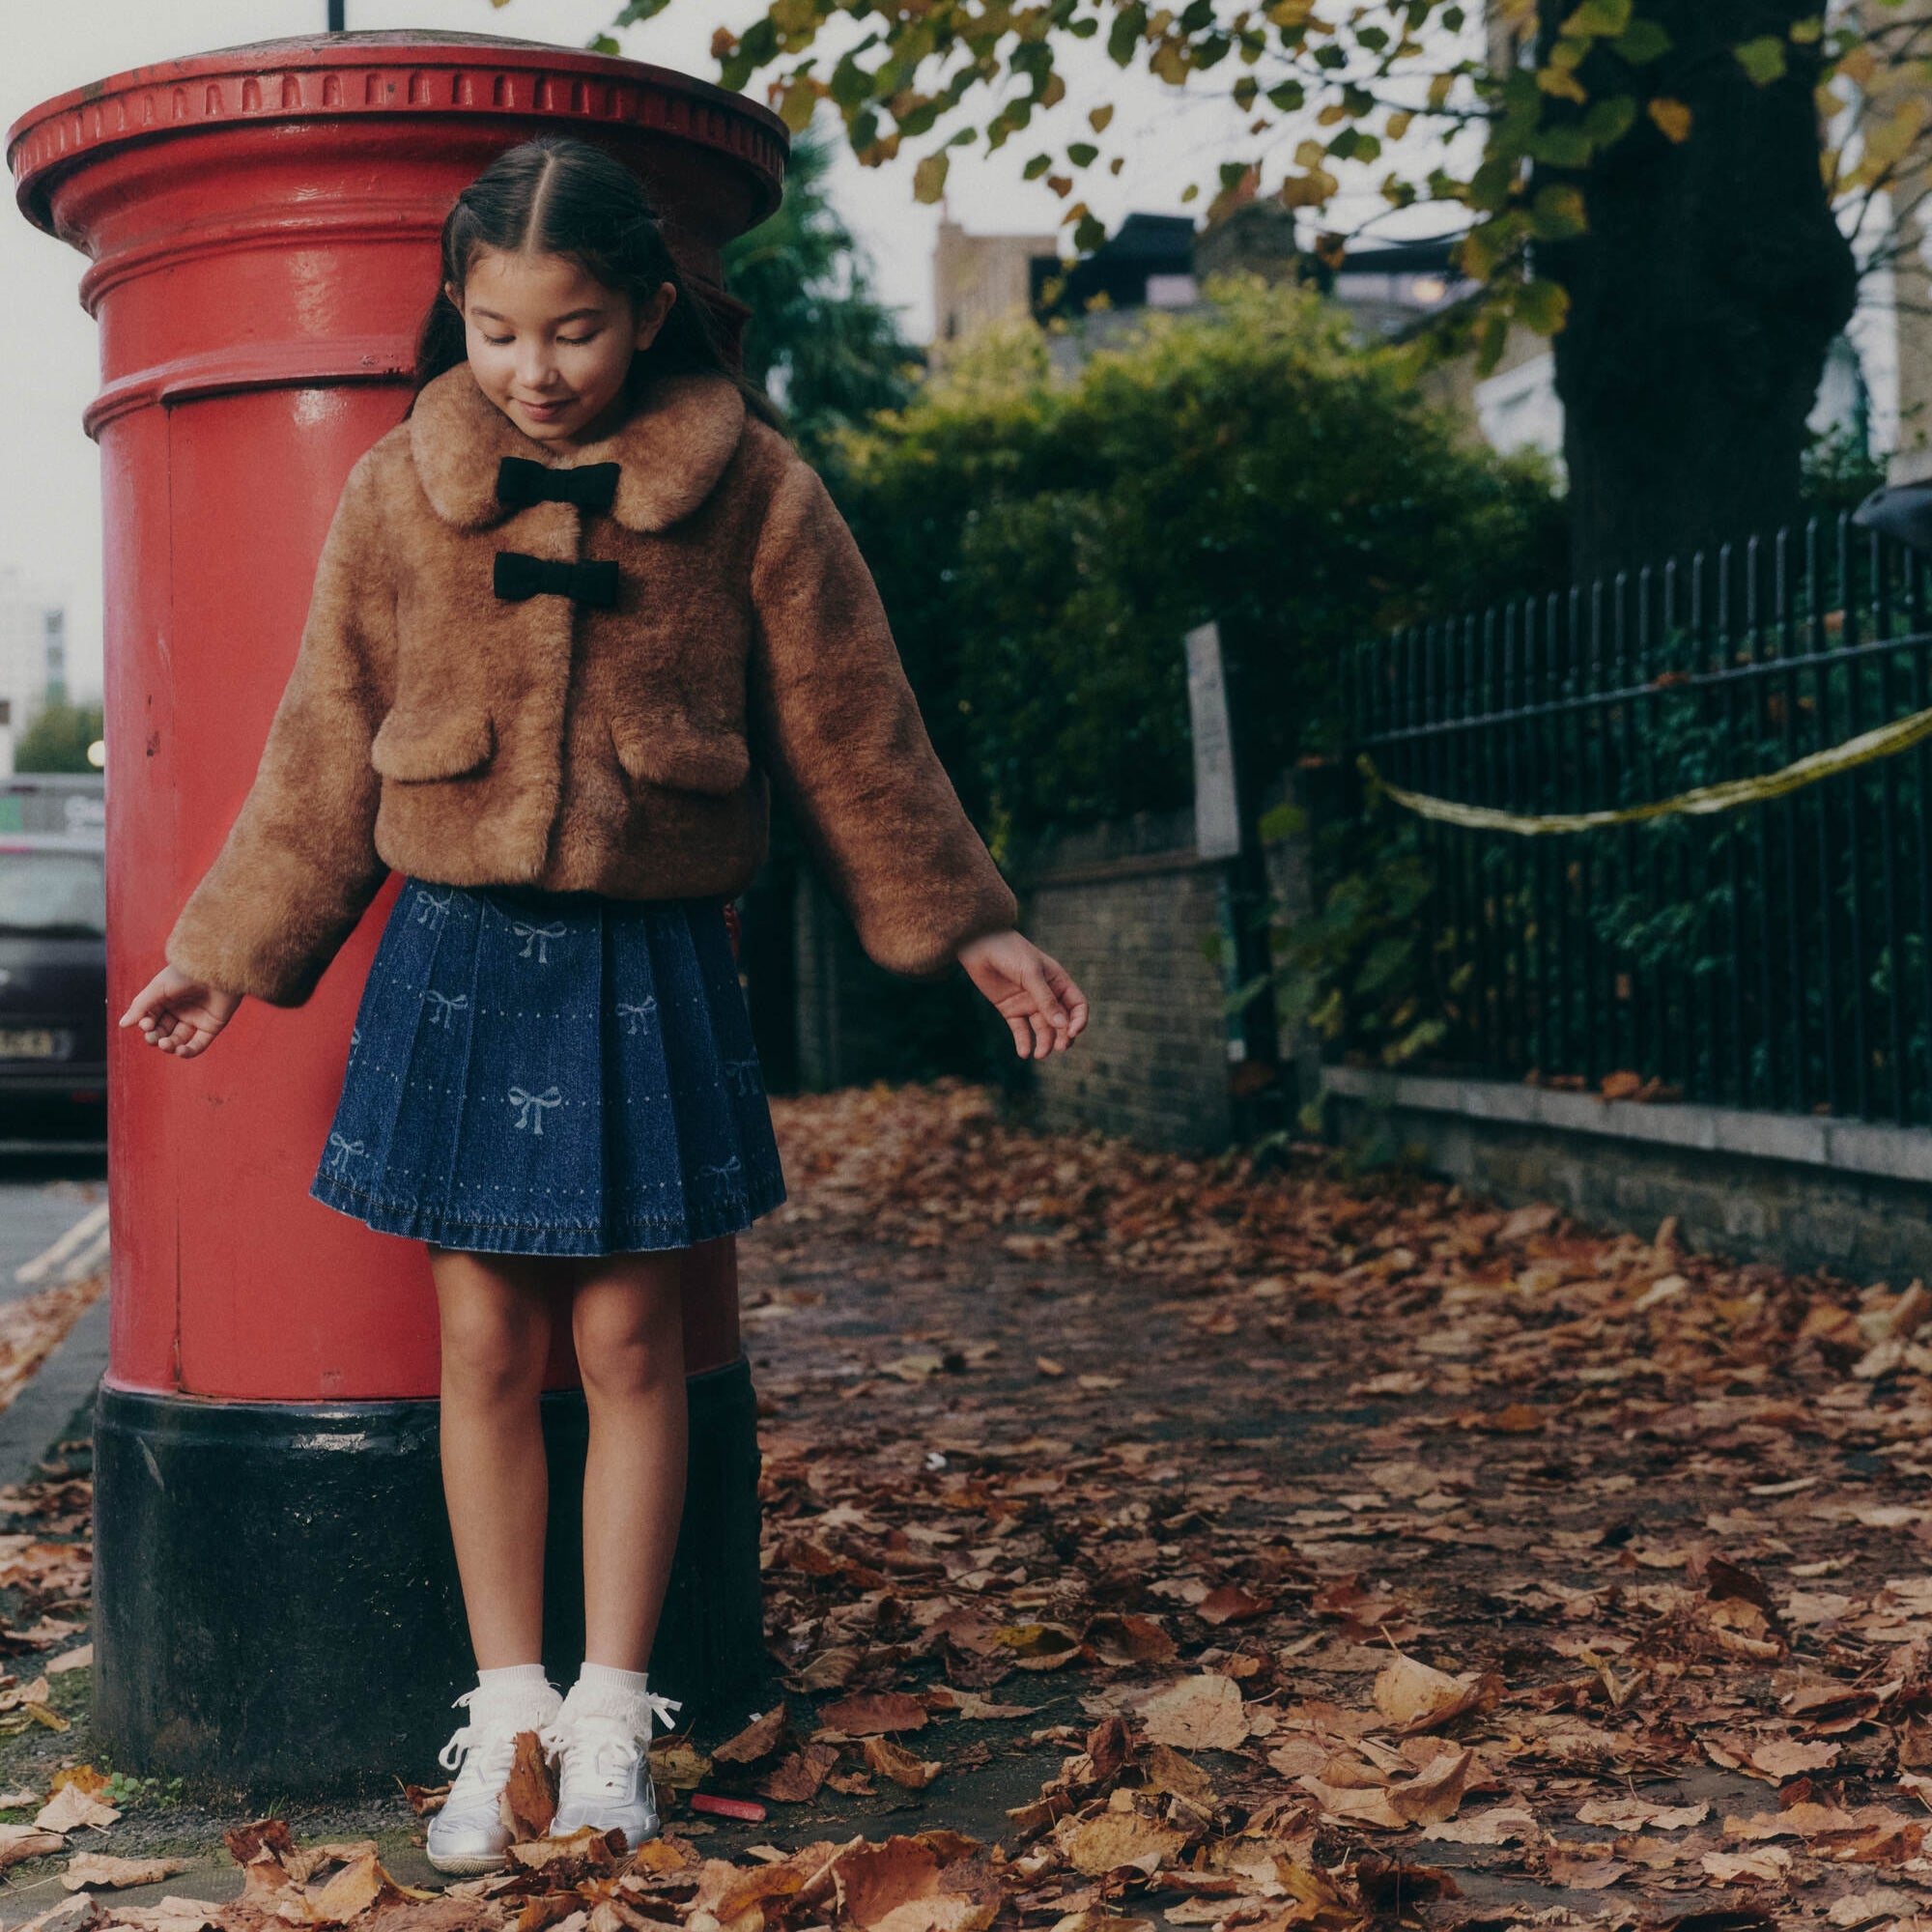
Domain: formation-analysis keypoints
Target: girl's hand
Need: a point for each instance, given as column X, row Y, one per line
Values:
column 180, row 1016
column 1032, row 991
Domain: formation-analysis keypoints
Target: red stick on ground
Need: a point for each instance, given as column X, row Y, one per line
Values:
column 728, row 1807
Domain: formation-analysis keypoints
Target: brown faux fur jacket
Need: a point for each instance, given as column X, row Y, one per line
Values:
column 438, row 722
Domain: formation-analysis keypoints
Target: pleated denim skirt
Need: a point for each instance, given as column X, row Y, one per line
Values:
column 537, row 1073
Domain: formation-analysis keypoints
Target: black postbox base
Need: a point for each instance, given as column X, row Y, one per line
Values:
column 276, row 1601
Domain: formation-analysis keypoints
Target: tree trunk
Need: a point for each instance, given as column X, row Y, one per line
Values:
column 1703, row 299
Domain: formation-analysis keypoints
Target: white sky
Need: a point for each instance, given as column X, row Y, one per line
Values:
column 49, row 505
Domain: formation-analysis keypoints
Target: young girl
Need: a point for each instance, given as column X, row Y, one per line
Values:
column 573, row 616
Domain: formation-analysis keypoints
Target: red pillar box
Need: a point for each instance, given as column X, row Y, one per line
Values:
column 276, row 1597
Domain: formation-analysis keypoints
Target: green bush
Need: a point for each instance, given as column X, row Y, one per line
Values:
column 1043, row 541
column 57, row 740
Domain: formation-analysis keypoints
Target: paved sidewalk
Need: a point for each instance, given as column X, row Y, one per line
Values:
column 56, row 1404
column 50, row 1233
column 1260, row 1550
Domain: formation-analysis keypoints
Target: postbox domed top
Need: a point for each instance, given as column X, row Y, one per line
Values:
column 401, row 73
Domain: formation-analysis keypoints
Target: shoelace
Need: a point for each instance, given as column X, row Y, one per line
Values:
column 660, row 1709
column 488, row 1750
column 614, row 1752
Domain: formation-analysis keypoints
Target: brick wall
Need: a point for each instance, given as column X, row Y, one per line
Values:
column 854, row 1022
column 1129, row 909
column 1125, row 908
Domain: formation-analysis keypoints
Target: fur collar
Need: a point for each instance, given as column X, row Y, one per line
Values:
column 673, row 448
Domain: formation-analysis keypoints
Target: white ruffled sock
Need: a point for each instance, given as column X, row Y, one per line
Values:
column 603, row 1691
column 608, row 1677
column 512, row 1677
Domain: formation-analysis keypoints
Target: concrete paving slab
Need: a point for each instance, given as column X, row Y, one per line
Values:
column 60, row 1391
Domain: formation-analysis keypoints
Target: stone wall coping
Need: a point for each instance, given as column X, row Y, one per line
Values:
column 1806, row 1140
column 1130, row 865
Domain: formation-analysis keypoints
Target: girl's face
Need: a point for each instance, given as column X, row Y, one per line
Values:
column 549, row 344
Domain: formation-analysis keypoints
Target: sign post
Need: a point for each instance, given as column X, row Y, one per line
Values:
column 1226, row 828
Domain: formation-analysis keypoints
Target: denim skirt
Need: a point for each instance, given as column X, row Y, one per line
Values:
column 536, row 1073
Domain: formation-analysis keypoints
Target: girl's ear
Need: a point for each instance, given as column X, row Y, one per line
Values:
column 453, row 296
column 652, row 317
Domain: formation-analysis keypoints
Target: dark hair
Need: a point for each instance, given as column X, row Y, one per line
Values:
column 557, row 196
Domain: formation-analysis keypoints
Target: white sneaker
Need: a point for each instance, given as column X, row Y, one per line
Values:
column 469, row 1834
column 602, row 1740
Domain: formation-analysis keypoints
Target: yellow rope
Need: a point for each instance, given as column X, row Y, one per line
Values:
column 1882, row 743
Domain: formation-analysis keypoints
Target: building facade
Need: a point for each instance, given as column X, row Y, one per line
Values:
column 983, row 278
column 33, row 655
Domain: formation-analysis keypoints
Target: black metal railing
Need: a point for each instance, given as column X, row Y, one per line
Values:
column 1778, row 955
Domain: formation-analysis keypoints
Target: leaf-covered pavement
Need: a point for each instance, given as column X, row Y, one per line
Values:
column 1156, row 1540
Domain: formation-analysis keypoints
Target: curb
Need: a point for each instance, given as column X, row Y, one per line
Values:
column 55, row 1397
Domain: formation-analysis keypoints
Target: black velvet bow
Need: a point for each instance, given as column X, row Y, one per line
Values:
column 520, row 482
column 592, row 583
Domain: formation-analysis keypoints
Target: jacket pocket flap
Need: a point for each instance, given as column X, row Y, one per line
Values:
column 672, row 751
column 441, row 744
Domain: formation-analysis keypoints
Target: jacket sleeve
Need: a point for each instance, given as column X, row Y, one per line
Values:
column 840, row 732
column 299, row 866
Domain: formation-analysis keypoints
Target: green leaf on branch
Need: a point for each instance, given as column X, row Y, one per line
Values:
column 1035, row 167
column 1493, row 184
column 1558, row 215
column 1673, row 117
column 1561, row 82
column 1599, row 19
column 928, row 178
column 850, row 85
column 1543, row 305
column 797, row 105
column 1644, row 42
column 1762, row 58
column 1489, row 336
column 1561, row 148
column 1125, row 35
column 1610, row 120
column 1482, row 251
column 1082, row 153
column 758, row 44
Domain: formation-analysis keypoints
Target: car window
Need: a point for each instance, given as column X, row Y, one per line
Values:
column 55, row 893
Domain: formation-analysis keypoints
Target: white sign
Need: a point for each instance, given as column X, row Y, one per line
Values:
column 1217, row 820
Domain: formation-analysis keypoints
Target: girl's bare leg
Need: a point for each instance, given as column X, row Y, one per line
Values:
column 629, row 1329
column 496, row 1312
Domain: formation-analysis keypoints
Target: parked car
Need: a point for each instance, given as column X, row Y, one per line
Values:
column 53, row 986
